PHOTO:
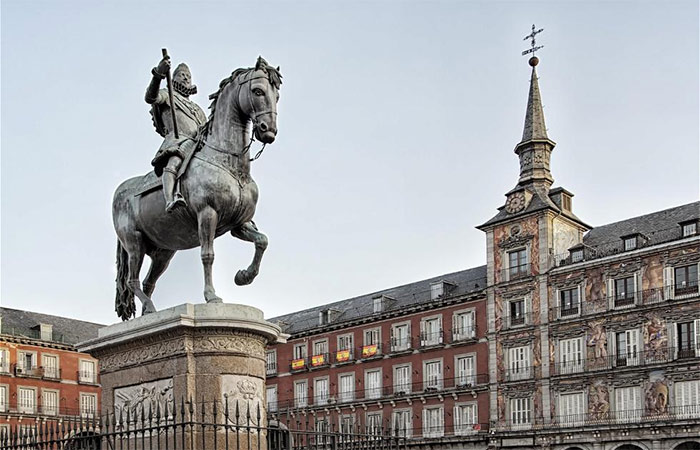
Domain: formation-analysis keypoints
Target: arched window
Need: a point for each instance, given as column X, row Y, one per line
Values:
column 688, row 446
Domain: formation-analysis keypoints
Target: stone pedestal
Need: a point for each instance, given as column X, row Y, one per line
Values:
column 202, row 352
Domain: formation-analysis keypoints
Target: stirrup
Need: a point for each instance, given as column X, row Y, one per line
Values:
column 175, row 203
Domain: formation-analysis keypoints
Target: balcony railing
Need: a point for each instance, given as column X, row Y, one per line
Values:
column 298, row 364
column 87, row 377
column 28, row 371
column 517, row 272
column 518, row 373
column 517, row 320
column 444, row 385
column 344, row 356
column 39, row 409
column 595, row 420
column 431, row 339
column 630, row 359
column 463, row 334
column 403, row 344
column 5, row 368
column 271, row 368
column 320, row 360
column 51, row 373
column 371, row 351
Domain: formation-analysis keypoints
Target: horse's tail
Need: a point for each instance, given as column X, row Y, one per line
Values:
column 124, row 302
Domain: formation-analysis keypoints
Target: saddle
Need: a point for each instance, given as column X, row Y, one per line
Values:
column 151, row 181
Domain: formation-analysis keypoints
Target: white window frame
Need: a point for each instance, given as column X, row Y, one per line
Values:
column 53, row 372
column 631, row 352
column 433, row 374
column 670, row 282
column 300, row 351
column 519, row 363
column 399, row 344
column 271, row 403
column 373, row 392
column 84, row 375
column 342, row 337
column 346, row 395
column 525, row 314
column 465, row 425
column 371, row 331
column 579, row 305
column 576, row 255
column 322, row 394
column 520, row 412
column 301, row 393
column 689, row 229
column 613, row 294
column 88, row 408
column 373, row 425
column 687, row 399
column 4, row 360
column 465, row 373
column 437, row 290
column 5, row 431
column 4, row 397
column 24, row 406
column 628, row 404
column 433, row 421
column 629, row 243
column 571, row 355
column 432, row 337
column 21, row 362
column 521, row 267
column 50, row 410
column 694, row 337
column 319, row 343
column 464, row 329
column 405, row 386
column 402, row 422
column 271, row 362
column 378, row 304
column 572, row 408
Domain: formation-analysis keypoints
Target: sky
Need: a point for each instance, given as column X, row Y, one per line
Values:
column 397, row 124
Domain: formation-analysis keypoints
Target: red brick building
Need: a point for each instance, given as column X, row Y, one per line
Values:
column 42, row 376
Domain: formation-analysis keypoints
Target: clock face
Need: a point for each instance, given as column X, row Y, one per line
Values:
column 515, row 202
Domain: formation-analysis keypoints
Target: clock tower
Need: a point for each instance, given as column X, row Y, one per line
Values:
column 533, row 227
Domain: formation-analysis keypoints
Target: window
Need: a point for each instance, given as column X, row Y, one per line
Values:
column 686, row 280
column 689, row 229
column 50, row 366
column 625, row 291
column 321, row 427
column 347, row 424
column 26, row 363
column 402, row 379
column 374, row 423
column 628, row 405
column 373, row 384
column 49, row 402
column 45, row 332
column 271, row 398
column 326, row 316
column 566, row 202
column 401, row 422
column 27, row 400
column 4, row 432
column 571, row 409
column 88, row 405
column 571, row 355
column 4, row 405
column 344, row 352
column 271, row 362
column 319, row 357
column 517, row 264
column 463, row 326
column 627, row 345
column 437, row 290
column 433, row 421
column 519, row 363
column 4, row 360
column 300, row 351
column 516, row 308
column 320, row 347
column 630, row 243
column 465, row 418
column 378, row 304
column 321, row 393
column 372, row 339
column 432, row 375
column 372, row 336
column 465, row 373
column 431, row 331
column 300, row 394
column 687, row 398
column 568, row 302
column 577, row 255
column 346, row 383
column 688, row 336
column 520, row 414
column 87, row 372
column 400, row 337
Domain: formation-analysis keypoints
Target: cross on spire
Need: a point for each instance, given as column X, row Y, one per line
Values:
column 533, row 48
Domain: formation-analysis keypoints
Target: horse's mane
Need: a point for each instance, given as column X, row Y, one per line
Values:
column 273, row 74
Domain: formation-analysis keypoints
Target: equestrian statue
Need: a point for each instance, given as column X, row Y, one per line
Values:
column 201, row 186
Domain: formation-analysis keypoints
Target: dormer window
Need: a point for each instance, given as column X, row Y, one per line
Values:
column 437, row 290
column 327, row 316
column 381, row 303
column 689, row 228
column 577, row 255
column 566, row 202
column 629, row 242
column 45, row 332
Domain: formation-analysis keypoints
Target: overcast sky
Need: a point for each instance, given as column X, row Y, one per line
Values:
column 397, row 123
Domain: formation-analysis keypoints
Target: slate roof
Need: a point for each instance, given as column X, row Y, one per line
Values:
column 67, row 331
column 654, row 228
column 463, row 282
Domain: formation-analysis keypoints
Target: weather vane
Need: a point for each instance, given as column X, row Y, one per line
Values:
column 533, row 48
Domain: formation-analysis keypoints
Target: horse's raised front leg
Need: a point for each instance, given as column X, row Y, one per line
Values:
column 134, row 247
column 207, row 220
column 249, row 232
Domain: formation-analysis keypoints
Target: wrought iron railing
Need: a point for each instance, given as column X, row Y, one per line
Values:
column 88, row 377
column 462, row 334
column 517, row 272
column 431, row 339
column 517, row 320
column 662, row 355
column 194, row 426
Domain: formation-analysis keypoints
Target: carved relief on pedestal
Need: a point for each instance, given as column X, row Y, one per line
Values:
column 598, row 400
column 246, row 344
column 147, row 397
column 125, row 356
column 245, row 393
column 656, row 395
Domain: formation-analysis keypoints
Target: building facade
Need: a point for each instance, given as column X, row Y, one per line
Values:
column 570, row 338
column 42, row 377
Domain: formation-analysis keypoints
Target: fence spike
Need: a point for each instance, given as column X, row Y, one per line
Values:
column 226, row 409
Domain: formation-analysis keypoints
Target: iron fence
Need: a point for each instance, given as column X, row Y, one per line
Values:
column 189, row 425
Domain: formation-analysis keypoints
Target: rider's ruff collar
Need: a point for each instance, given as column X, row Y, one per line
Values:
column 184, row 90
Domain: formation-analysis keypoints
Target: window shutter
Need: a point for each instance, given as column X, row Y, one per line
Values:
column 457, row 332
column 636, row 295
column 611, row 292
column 439, row 330
column 668, row 283
column 422, row 333
column 696, row 336
column 426, row 423
column 671, row 331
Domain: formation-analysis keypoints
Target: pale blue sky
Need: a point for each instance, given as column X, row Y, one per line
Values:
column 397, row 123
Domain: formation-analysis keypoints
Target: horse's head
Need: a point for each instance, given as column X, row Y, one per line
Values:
column 258, row 97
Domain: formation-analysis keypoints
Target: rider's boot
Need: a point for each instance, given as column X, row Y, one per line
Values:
column 172, row 200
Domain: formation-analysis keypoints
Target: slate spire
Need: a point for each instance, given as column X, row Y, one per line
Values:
column 535, row 128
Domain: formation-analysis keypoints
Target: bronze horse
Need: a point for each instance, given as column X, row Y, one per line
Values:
column 220, row 193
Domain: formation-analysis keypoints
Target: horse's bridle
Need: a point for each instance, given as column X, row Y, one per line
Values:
column 254, row 118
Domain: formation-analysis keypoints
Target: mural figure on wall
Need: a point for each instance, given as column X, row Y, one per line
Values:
column 656, row 398
column 655, row 338
column 598, row 401
column 598, row 340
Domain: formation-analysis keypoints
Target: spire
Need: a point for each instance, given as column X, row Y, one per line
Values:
column 534, row 116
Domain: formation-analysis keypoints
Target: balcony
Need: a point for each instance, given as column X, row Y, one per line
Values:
column 5, row 368
column 344, row 356
column 663, row 355
column 87, row 377
column 298, row 364
column 517, row 320
column 518, row 373
column 517, row 272
column 51, row 373
column 320, row 360
column 463, row 334
column 28, row 371
column 398, row 345
column 371, row 351
column 431, row 339
column 271, row 368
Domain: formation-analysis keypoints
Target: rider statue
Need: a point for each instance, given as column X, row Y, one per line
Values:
column 189, row 117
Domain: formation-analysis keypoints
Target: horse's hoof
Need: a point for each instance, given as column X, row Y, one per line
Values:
column 214, row 300
column 147, row 311
column 243, row 278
